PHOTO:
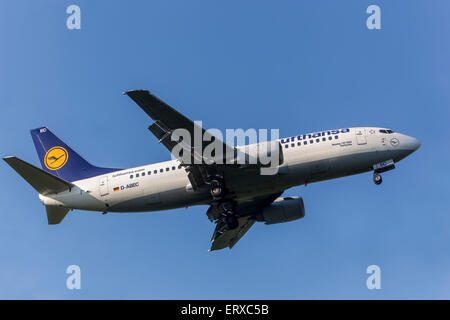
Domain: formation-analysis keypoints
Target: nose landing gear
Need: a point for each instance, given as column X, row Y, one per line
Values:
column 377, row 178
column 381, row 167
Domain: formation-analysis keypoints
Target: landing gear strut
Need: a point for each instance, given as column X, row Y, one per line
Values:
column 231, row 221
column 228, row 211
column 377, row 178
column 381, row 167
column 225, row 208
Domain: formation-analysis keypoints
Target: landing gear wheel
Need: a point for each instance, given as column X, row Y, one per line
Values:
column 232, row 222
column 217, row 190
column 377, row 179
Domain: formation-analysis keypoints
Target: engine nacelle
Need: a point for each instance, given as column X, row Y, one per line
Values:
column 283, row 210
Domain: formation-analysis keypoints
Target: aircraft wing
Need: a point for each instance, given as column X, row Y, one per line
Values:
column 201, row 170
column 199, row 167
column 167, row 120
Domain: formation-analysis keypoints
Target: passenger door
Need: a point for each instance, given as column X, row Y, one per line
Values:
column 360, row 136
column 103, row 186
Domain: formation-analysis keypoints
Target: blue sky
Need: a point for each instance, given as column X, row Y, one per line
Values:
column 300, row 66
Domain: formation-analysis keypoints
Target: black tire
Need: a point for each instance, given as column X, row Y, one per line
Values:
column 232, row 222
column 377, row 179
column 217, row 191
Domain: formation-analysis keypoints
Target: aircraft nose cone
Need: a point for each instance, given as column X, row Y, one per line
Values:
column 417, row 144
column 411, row 143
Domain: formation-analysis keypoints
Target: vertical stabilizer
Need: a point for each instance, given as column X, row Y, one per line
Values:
column 59, row 159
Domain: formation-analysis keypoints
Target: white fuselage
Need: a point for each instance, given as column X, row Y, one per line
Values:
column 307, row 158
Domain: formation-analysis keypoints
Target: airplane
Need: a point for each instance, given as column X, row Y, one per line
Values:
column 238, row 195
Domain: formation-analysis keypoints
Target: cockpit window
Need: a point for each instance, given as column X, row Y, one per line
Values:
column 388, row 131
column 383, row 131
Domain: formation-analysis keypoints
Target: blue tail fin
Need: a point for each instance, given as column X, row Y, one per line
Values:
column 59, row 159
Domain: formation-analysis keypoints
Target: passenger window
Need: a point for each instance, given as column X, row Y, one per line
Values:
column 306, row 142
column 173, row 168
column 317, row 140
column 149, row 173
column 330, row 138
column 324, row 139
column 143, row 173
column 167, row 169
column 286, row 146
column 311, row 141
column 292, row 145
column 137, row 175
column 155, row 171
column 179, row 167
column 299, row 144
column 131, row 177
column 161, row 170
column 335, row 137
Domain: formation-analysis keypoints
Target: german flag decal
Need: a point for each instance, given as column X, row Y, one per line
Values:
column 116, row 189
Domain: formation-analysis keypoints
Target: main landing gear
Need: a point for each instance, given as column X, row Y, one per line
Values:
column 228, row 211
column 217, row 189
column 225, row 207
column 231, row 221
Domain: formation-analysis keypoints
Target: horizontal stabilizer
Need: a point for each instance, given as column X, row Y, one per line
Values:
column 56, row 214
column 42, row 181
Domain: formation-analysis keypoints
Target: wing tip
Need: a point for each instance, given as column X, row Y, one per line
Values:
column 127, row 92
column 7, row 159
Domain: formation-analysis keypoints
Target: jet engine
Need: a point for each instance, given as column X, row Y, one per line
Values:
column 283, row 210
